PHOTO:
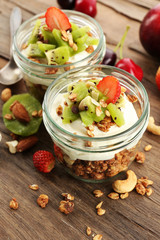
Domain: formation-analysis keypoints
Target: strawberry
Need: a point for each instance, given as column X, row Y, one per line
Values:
column 55, row 18
column 58, row 153
column 44, row 161
column 158, row 78
column 110, row 87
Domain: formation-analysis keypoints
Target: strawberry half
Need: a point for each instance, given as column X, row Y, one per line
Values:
column 44, row 161
column 110, row 87
column 158, row 78
column 58, row 153
column 55, row 18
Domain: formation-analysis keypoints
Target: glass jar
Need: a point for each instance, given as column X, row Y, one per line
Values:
column 96, row 159
column 39, row 76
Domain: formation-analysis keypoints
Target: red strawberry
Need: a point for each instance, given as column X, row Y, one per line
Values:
column 158, row 78
column 44, row 161
column 55, row 18
column 58, row 153
column 110, row 87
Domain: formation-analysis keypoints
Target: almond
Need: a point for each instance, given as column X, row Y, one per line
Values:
column 26, row 143
column 19, row 111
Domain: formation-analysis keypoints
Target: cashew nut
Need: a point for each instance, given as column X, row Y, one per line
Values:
column 12, row 146
column 123, row 186
column 152, row 127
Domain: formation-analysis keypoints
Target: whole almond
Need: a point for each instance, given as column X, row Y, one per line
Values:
column 26, row 143
column 20, row 112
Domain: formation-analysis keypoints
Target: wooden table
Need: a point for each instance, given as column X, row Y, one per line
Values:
column 137, row 217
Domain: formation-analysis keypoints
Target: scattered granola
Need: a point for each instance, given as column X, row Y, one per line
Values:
column 140, row 157
column 88, row 231
column 98, row 193
column 148, row 148
column 13, row 204
column 132, row 98
column 51, row 70
column 101, row 211
column 140, row 189
column 34, row 187
column 66, row 207
column 149, row 191
column 124, row 195
column 99, row 205
column 113, row 195
column 42, row 200
column 97, row 237
column 68, row 196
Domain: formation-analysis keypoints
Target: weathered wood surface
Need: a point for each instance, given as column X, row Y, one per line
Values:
column 136, row 217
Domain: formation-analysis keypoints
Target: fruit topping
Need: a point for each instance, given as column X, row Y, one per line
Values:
column 109, row 57
column 44, row 161
column 116, row 114
column 20, row 108
column 67, row 4
column 34, row 35
column 57, row 56
column 86, row 6
column 158, row 78
column 110, row 87
column 56, row 19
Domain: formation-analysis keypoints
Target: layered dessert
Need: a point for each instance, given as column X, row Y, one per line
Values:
column 97, row 111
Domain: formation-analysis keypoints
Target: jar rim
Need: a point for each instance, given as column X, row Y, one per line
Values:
column 114, row 136
column 79, row 14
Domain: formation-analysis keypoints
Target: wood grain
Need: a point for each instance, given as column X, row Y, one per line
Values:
column 136, row 217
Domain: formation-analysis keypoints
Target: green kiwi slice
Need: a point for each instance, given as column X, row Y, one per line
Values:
column 116, row 114
column 31, row 104
column 34, row 35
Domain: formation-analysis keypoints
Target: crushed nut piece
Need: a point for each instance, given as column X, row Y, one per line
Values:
column 59, row 110
column 113, row 195
column 75, row 48
column 89, row 34
column 24, row 46
column 66, row 207
column 34, row 59
column 132, row 98
column 101, row 211
column 20, row 112
column 72, row 97
column 140, row 157
column 91, row 128
column 35, row 114
column 103, row 103
column 6, row 94
column 140, row 189
column 99, row 205
column 90, row 133
column 152, row 127
column 124, row 195
column 107, row 113
column 149, row 191
column 40, row 113
column 34, row 187
column 88, row 144
column 145, row 181
column 67, row 68
column 148, row 148
column 64, row 35
column 42, row 200
column 13, row 204
column 51, row 70
column 88, row 231
column 98, row 111
column 98, row 193
column 8, row 116
column 123, row 89
column 90, row 49
column 12, row 146
column 68, row 196
column 97, row 237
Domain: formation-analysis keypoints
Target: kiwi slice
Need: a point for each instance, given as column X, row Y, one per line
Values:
column 81, row 90
column 80, row 32
column 81, row 43
column 59, row 55
column 116, row 114
column 31, row 104
column 92, row 41
column 47, row 35
column 86, row 118
column 45, row 47
column 74, row 26
column 34, row 51
column 34, row 35
column 120, row 102
column 68, row 115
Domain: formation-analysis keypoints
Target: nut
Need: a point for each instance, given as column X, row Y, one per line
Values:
column 26, row 143
column 68, row 196
column 97, row 237
column 66, row 207
column 98, row 193
column 40, row 113
column 88, row 144
column 75, row 48
column 34, row 59
column 99, row 205
column 101, row 211
column 140, row 157
column 89, row 49
column 34, row 187
column 8, row 116
column 42, row 200
column 149, row 191
column 140, row 189
column 13, row 204
column 107, row 113
column 88, row 231
column 67, row 68
column 98, row 111
column 148, row 148
column 113, row 195
column 59, row 110
column 20, row 112
column 132, row 98
column 6, row 94
column 12, row 146
column 123, row 186
column 103, row 103
column 35, row 113
column 145, row 182
column 152, row 127
column 90, row 133
column 51, row 70
column 124, row 195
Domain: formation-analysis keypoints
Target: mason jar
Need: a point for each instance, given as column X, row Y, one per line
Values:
column 39, row 76
column 97, row 159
